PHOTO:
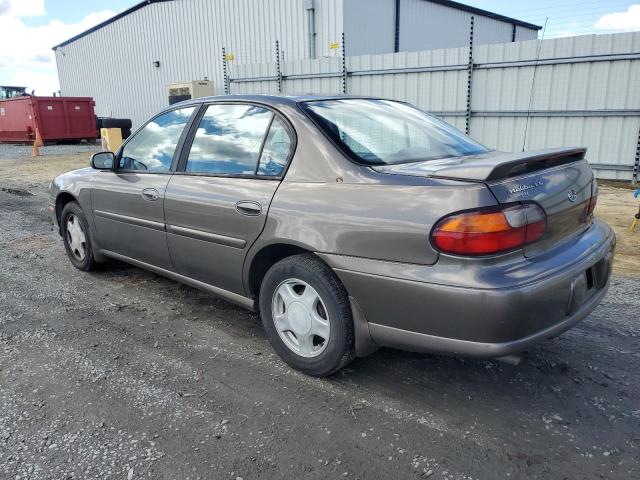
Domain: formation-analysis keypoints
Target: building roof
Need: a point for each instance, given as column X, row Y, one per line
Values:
column 446, row 3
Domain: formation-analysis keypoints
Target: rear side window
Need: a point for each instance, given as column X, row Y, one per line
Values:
column 276, row 150
column 152, row 148
column 229, row 139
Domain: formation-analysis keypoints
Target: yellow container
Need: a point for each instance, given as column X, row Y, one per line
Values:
column 111, row 138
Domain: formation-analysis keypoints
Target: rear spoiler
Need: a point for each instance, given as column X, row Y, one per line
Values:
column 495, row 166
column 516, row 164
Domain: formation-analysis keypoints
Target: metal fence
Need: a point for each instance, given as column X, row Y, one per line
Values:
column 574, row 91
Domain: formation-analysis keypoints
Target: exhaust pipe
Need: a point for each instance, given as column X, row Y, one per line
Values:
column 510, row 359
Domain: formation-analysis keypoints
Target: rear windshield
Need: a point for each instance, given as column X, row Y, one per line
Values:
column 384, row 132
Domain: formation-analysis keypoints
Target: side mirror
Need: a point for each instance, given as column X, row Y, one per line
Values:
column 103, row 160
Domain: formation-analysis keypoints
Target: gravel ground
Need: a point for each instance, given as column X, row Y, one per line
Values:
column 16, row 150
column 123, row 374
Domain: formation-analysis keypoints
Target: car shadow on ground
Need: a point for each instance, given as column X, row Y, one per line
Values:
column 543, row 359
column 548, row 373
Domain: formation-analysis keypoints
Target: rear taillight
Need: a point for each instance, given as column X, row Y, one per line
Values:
column 485, row 232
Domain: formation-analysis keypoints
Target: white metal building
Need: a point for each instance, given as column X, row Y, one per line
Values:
column 126, row 62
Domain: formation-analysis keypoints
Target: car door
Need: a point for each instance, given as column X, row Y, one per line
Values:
column 217, row 201
column 128, row 202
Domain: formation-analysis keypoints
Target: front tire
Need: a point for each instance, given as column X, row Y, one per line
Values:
column 75, row 235
column 306, row 314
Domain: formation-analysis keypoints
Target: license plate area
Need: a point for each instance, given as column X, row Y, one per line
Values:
column 586, row 284
column 600, row 271
column 588, row 274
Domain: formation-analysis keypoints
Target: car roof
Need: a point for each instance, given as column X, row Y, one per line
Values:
column 273, row 100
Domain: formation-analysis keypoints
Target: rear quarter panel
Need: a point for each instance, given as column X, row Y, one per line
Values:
column 382, row 216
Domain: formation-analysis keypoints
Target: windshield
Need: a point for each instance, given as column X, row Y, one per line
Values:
column 384, row 132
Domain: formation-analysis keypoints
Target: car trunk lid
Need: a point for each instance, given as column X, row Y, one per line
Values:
column 559, row 180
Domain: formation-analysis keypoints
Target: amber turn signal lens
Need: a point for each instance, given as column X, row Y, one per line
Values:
column 476, row 223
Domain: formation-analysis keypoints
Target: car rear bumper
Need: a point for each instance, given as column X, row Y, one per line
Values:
column 521, row 301
column 419, row 342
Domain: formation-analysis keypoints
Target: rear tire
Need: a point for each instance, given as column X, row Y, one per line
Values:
column 306, row 314
column 76, row 237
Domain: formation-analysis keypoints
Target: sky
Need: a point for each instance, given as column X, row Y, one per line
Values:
column 29, row 28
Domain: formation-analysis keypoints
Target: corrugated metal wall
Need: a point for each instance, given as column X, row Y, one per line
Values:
column 115, row 64
column 370, row 27
column 586, row 91
column 448, row 27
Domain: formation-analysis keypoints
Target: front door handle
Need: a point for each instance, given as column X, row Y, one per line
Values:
column 249, row 207
column 150, row 194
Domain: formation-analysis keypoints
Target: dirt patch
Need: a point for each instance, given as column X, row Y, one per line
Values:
column 40, row 169
column 17, row 191
column 35, row 242
column 617, row 207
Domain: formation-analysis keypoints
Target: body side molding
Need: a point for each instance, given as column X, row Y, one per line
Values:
column 141, row 222
column 207, row 236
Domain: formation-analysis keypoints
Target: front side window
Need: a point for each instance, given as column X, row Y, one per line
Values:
column 229, row 139
column 152, row 148
column 384, row 132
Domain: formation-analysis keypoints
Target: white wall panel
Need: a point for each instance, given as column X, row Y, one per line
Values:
column 524, row 33
column 426, row 26
column 369, row 26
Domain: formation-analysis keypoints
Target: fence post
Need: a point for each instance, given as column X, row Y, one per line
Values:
column 344, row 68
column 225, row 74
column 467, row 128
column 636, row 166
column 278, row 71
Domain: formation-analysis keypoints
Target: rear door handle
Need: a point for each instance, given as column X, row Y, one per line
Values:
column 150, row 194
column 249, row 207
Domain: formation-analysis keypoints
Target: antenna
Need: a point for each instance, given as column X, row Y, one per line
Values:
column 533, row 81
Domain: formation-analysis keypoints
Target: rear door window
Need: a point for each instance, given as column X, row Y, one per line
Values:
column 229, row 140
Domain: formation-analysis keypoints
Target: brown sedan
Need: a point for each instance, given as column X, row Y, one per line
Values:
column 349, row 223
